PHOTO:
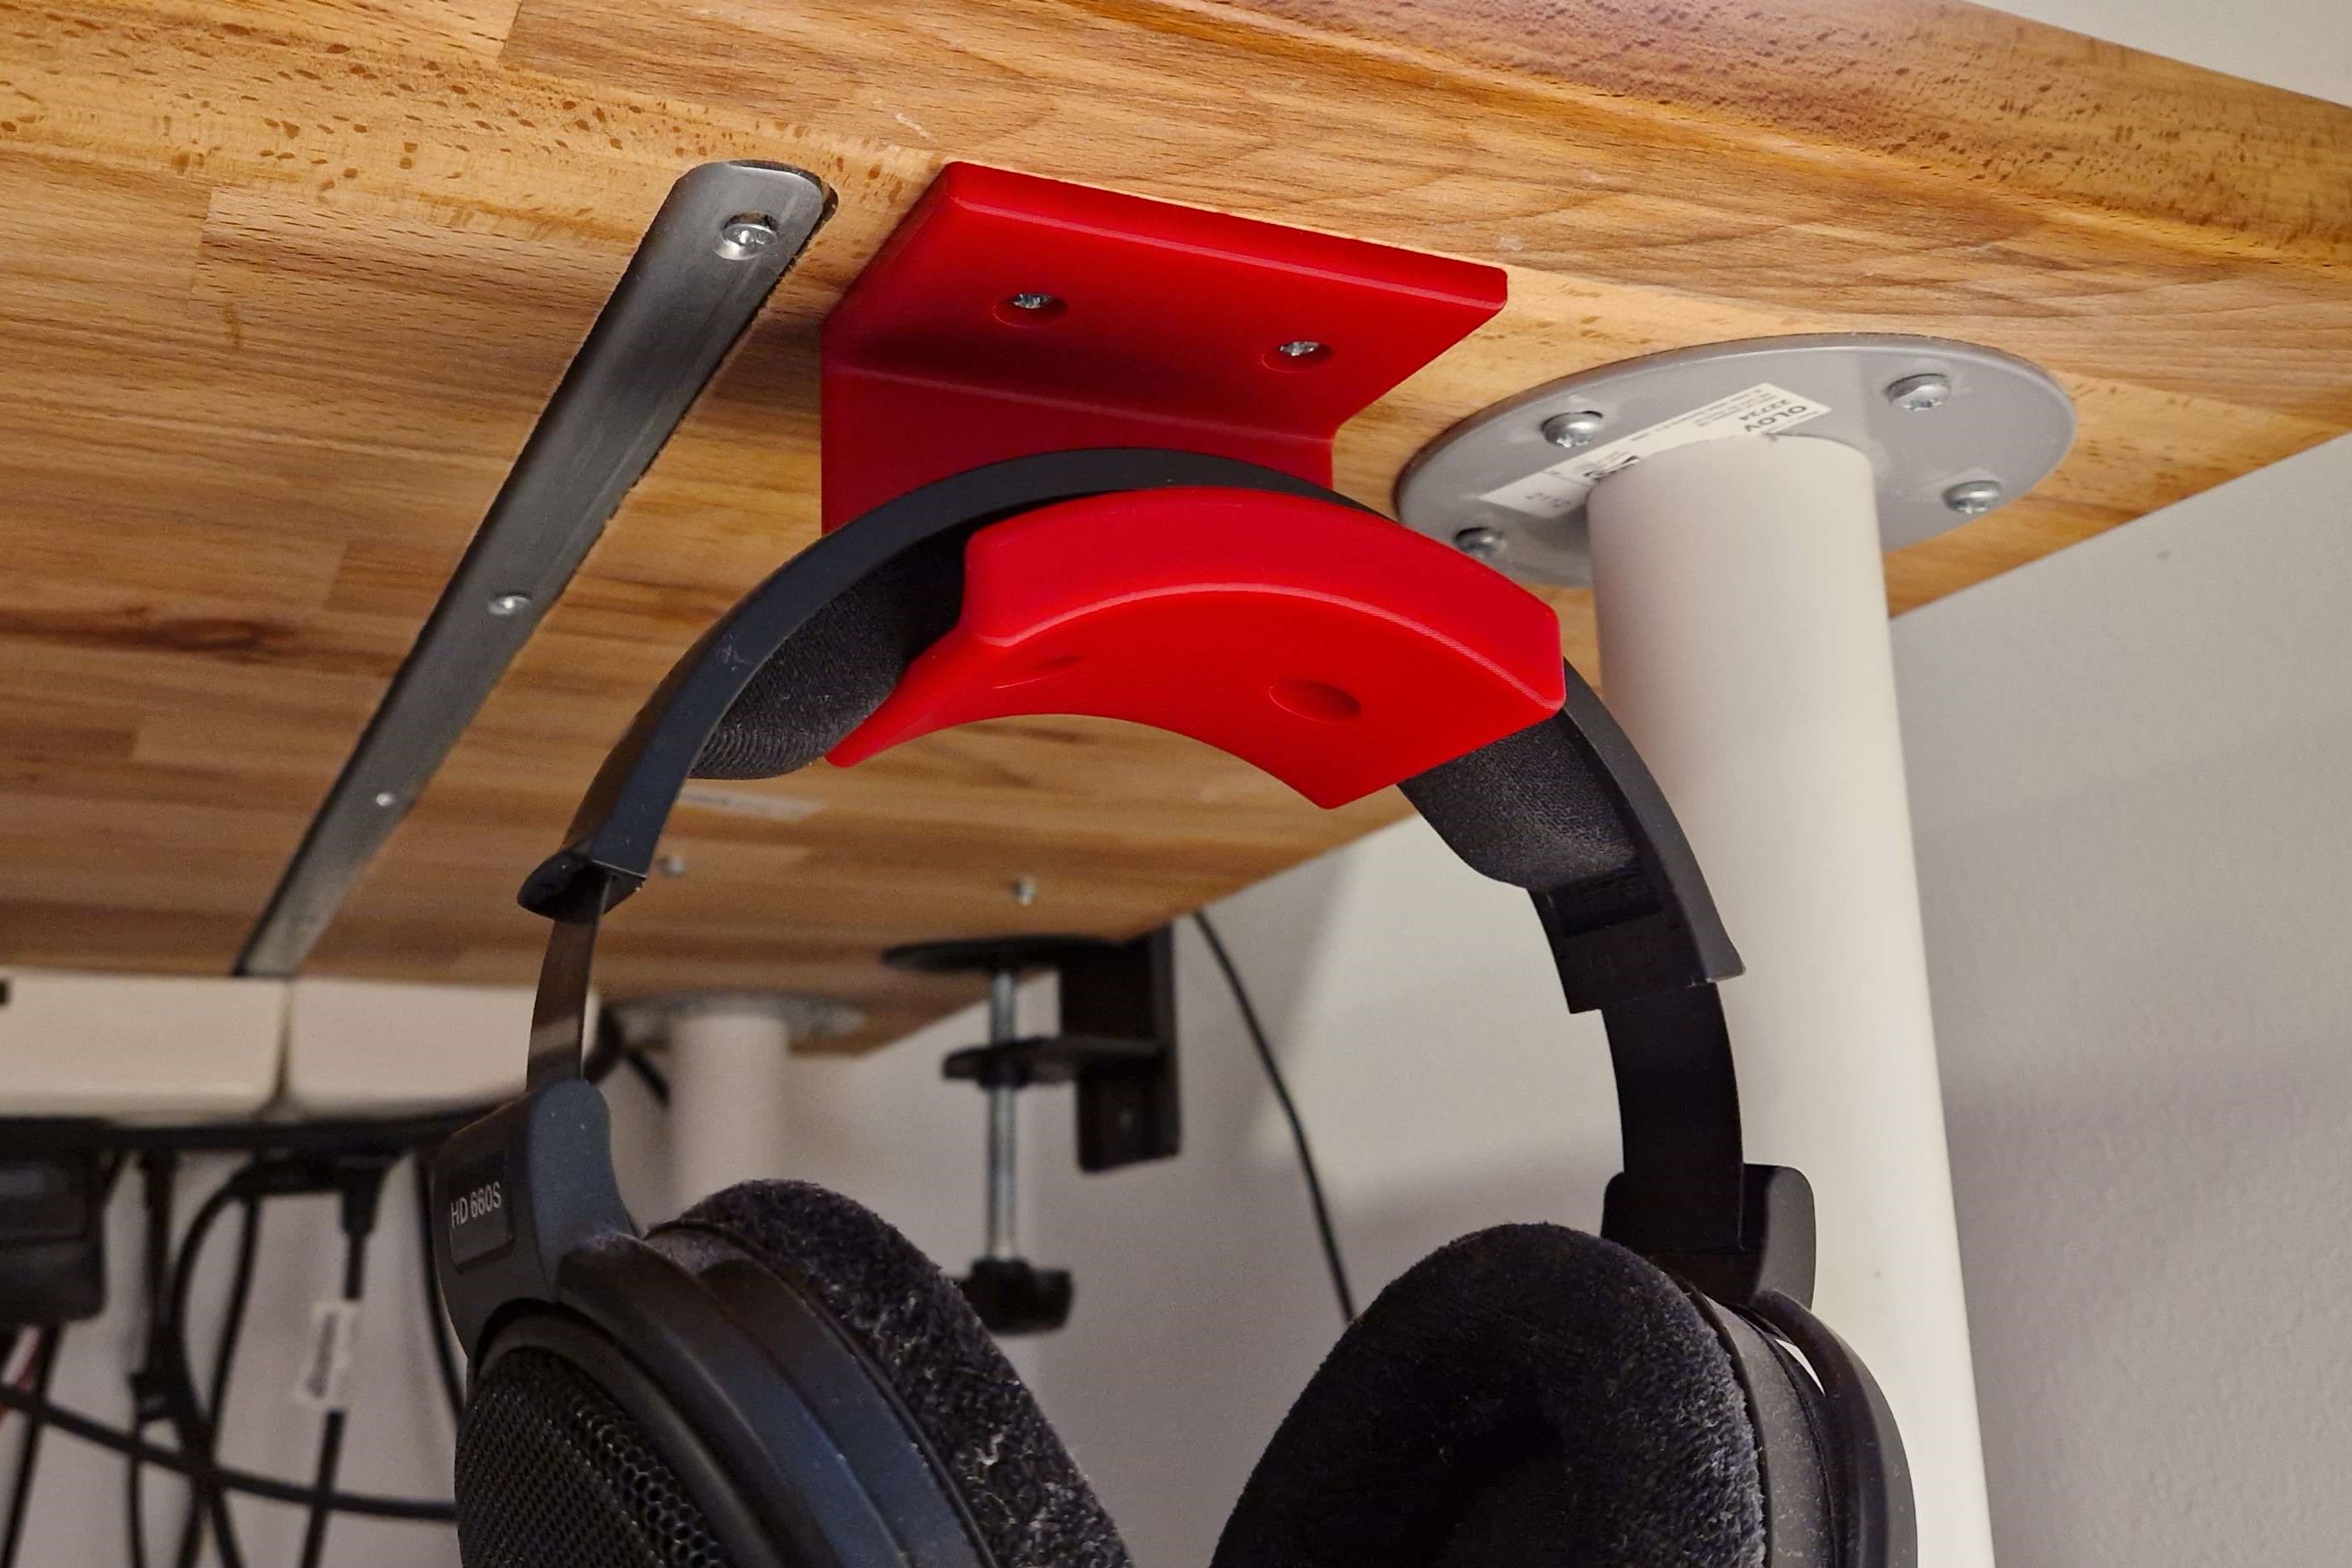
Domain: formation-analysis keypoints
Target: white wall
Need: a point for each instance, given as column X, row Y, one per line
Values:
column 2304, row 45
column 2129, row 767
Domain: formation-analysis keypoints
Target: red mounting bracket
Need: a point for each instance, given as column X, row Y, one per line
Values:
column 1011, row 315
column 1335, row 649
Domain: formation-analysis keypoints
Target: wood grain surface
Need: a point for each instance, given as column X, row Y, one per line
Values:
column 282, row 286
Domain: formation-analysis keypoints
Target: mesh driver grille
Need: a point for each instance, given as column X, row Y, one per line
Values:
column 552, row 1474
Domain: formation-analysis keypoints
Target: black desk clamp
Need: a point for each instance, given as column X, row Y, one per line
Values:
column 1117, row 1047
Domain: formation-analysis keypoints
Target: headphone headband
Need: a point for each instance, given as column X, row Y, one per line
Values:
column 1564, row 808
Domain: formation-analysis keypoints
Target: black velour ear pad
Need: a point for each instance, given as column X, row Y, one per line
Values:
column 1525, row 1397
column 838, row 668
column 1033, row 1507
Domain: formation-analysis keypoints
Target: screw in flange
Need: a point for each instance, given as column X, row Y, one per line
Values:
column 1024, row 890
column 671, row 865
column 1577, row 427
column 385, row 800
column 1030, row 301
column 1482, row 543
column 745, row 235
column 1918, row 393
column 509, row 604
column 1974, row 498
column 1299, row 348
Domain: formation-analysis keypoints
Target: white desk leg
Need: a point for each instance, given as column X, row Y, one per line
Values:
column 1744, row 646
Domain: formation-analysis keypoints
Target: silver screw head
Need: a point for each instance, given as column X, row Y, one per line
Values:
column 672, row 865
column 1974, row 498
column 1024, row 890
column 385, row 800
column 1577, row 427
column 1483, row 544
column 1918, row 393
column 1028, row 301
column 509, row 604
column 745, row 235
column 1299, row 348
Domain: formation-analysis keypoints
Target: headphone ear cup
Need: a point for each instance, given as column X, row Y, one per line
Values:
column 1525, row 1397
column 1031, row 1506
column 568, row 1455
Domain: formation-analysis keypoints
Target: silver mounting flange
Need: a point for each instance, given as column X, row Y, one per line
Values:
column 1952, row 429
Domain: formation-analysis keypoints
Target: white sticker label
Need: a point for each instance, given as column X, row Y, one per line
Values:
column 327, row 1363
column 1761, row 410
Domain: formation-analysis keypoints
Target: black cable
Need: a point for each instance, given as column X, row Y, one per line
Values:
column 172, row 1349
column 196, row 1417
column 364, row 1186
column 605, row 1047
column 609, row 1048
column 657, row 1081
column 444, row 1354
column 159, row 1172
column 328, row 1138
column 232, row 1328
column 240, row 1292
column 1323, row 1226
column 28, row 1455
column 74, row 1423
column 331, row 1437
column 133, row 1524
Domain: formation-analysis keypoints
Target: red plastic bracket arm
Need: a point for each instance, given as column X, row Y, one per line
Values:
column 1332, row 648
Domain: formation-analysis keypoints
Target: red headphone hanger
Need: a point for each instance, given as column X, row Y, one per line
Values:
column 1011, row 315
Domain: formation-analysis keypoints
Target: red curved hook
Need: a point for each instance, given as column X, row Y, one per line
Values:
column 1334, row 650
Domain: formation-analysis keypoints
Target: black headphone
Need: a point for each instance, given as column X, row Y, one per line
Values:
column 778, row 1379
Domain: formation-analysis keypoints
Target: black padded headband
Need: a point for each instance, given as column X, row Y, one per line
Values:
column 1564, row 808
